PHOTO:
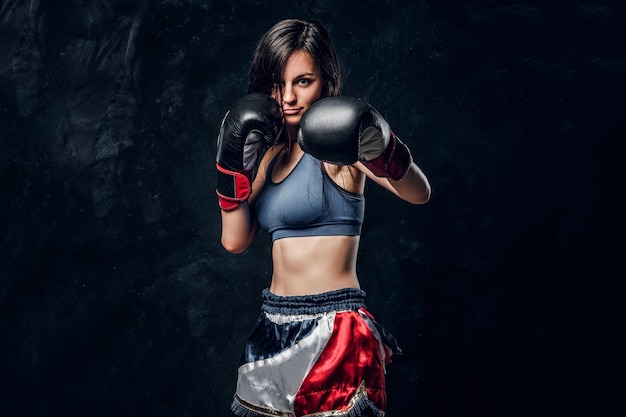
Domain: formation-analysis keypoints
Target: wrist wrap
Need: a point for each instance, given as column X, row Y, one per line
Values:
column 233, row 188
column 394, row 162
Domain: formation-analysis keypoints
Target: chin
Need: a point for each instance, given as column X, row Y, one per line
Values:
column 292, row 120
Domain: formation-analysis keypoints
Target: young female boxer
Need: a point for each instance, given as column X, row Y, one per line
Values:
column 315, row 350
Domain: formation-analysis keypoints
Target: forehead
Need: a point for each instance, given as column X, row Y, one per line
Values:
column 300, row 63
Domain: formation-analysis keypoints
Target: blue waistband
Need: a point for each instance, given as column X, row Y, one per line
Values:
column 343, row 299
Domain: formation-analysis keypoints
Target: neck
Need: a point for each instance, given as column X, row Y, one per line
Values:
column 292, row 133
column 292, row 140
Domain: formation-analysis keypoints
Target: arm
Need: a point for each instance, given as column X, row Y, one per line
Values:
column 413, row 187
column 346, row 131
column 246, row 131
column 239, row 226
column 238, row 229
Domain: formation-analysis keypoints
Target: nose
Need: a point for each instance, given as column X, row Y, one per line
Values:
column 288, row 94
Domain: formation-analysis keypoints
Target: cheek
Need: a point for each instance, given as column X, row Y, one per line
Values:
column 315, row 95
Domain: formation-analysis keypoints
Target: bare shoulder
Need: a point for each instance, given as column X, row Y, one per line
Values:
column 267, row 158
column 271, row 152
column 259, row 179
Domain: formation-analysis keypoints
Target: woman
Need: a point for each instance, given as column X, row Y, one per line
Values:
column 315, row 348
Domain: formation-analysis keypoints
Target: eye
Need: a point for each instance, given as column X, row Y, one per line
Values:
column 304, row 82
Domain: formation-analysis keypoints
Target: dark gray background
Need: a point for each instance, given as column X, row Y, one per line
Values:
column 116, row 298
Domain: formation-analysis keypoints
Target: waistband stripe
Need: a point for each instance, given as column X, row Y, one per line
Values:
column 343, row 299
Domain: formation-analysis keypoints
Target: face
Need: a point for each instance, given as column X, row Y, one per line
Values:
column 301, row 87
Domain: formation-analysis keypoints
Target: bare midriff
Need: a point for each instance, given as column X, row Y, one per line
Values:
column 314, row 264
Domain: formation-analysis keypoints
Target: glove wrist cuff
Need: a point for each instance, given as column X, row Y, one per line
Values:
column 394, row 162
column 233, row 188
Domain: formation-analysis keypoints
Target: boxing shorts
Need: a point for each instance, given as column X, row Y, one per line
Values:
column 317, row 355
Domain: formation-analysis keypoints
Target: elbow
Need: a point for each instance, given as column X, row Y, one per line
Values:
column 426, row 196
column 234, row 246
column 421, row 198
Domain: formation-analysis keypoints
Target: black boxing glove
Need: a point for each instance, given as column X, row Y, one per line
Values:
column 247, row 130
column 343, row 130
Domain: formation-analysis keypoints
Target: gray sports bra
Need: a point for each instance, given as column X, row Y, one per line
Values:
column 308, row 203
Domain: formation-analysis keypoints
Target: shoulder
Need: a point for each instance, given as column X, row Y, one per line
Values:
column 268, row 156
column 261, row 173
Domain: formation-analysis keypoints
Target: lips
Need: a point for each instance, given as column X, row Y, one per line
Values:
column 290, row 112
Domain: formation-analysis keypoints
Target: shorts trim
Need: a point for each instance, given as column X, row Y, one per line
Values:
column 243, row 408
column 358, row 404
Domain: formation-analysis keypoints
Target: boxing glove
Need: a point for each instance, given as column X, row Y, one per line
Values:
column 247, row 130
column 343, row 130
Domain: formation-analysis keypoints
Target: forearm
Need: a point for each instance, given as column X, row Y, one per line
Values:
column 414, row 187
column 238, row 228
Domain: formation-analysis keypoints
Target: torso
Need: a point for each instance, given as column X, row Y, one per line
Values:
column 311, row 264
column 314, row 264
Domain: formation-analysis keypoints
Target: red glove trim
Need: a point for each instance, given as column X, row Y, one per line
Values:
column 233, row 188
column 394, row 162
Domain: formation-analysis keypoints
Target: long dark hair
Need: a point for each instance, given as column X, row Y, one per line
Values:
column 283, row 39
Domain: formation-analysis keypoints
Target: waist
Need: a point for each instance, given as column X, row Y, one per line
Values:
column 337, row 300
column 311, row 265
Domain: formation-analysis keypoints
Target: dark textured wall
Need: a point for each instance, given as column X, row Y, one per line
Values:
column 116, row 298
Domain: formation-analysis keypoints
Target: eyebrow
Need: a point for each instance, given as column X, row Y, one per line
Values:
column 306, row 74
